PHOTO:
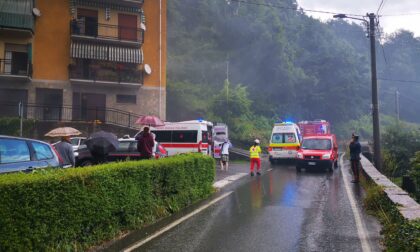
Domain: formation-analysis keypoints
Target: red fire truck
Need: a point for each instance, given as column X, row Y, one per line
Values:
column 313, row 128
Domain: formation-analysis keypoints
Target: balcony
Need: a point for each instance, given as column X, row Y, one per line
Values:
column 115, row 34
column 16, row 16
column 15, row 70
column 121, row 5
column 105, row 73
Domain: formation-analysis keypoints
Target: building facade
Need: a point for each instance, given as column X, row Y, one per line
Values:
column 79, row 59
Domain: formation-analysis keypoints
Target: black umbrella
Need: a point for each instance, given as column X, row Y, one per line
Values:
column 101, row 143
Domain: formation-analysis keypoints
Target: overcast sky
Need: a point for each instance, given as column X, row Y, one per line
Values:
column 391, row 7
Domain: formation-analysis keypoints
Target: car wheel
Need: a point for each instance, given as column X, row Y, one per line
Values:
column 298, row 169
column 331, row 167
column 86, row 163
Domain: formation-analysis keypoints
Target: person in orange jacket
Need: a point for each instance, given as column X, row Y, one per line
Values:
column 254, row 153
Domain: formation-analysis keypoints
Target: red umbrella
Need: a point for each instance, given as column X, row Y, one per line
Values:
column 150, row 120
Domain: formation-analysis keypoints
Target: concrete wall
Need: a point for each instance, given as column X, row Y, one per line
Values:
column 407, row 206
column 51, row 49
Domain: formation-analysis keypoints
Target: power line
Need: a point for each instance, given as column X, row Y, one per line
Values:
column 381, row 5
column 401, row 14
column 402, row 81
column 291, row 8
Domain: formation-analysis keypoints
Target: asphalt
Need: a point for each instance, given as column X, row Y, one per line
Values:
column 282, row 210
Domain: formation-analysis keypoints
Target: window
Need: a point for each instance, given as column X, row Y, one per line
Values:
column 42, row 151
column 289, row 138
column 184, row 136
column 278, row 138
column 131, row 99
column 163, row 136
column 123, row 146
column 316, row 144
column 204, row 137
column 13, row 151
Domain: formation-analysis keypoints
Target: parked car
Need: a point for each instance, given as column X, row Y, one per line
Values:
column 127, row 150
column 22, row 154
column 318, row 151
column 76, row 142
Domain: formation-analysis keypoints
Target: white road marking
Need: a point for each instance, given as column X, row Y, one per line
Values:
column 270, row 169
column 359, row 225
column 224, row 182
column 175, row 223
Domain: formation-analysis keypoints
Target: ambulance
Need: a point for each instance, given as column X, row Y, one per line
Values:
column 284, row 142
column 183, row 137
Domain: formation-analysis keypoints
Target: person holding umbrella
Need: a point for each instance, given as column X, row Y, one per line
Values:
column 65, row 150
column 145, row 144
column 64, row 147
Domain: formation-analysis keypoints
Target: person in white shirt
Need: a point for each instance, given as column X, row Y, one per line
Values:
column 224, row 151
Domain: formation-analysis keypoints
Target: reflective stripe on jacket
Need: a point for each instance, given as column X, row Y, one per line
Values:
column 255, row 151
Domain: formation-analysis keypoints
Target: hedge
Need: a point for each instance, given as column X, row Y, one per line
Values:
column 11, row 126
column 73, row 209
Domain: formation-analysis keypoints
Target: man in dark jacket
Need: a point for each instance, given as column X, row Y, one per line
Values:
column 145, row 144
column 355, row 150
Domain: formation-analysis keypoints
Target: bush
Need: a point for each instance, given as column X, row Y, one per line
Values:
column 399, row 234
column 11, row 126
column 415, row 174
column 72, row 209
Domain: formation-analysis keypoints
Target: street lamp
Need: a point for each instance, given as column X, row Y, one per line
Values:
column 375, row 106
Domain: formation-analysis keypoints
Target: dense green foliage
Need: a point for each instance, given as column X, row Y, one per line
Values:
column 415, row 173
column 400, row 142
column 290, row 65
column 399, row 234
column 11, row 126
column 69, row 209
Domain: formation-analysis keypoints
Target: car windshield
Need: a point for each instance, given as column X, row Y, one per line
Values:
column 75, row 141
column 316, row 144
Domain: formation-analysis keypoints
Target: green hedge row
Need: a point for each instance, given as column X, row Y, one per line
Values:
column 398, row 233
column 11, row 126
column 72, row 209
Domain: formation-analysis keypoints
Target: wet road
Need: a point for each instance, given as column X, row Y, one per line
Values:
column 279, row 211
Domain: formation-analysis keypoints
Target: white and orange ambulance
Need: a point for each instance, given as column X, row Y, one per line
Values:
column 183, row 137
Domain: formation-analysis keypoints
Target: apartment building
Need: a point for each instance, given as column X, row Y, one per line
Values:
column 76, row 59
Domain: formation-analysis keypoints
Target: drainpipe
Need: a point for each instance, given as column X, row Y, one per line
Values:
column 160, row 58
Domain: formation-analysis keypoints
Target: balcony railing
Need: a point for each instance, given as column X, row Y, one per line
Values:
column 68, row 113
column 114, row 74
column 10, row 67
column 91, row 29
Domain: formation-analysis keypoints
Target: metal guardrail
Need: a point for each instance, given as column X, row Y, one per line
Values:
column 106, row 31
column 72, row 114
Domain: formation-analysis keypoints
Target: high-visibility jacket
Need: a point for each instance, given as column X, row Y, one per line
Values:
column 255, row 151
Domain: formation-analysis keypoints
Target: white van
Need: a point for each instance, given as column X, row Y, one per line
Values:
column 183, row 137
column 284, row 142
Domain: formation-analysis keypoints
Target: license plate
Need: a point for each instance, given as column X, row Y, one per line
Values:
column 311, row 163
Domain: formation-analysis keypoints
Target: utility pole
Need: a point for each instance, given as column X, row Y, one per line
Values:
column 227, row 90
column 397, row 104
column 375, row 105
